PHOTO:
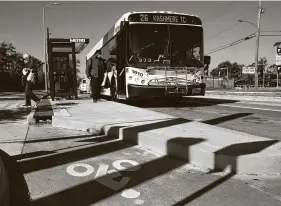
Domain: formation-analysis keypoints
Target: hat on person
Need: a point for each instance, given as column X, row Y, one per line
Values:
column 98, row 51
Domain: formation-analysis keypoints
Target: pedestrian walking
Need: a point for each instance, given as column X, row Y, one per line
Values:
column 95, row 72
column 28, row 80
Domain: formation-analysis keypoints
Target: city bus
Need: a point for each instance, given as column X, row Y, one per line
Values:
column 153, row 54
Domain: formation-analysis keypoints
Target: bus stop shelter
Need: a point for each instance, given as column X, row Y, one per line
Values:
column 62, row 72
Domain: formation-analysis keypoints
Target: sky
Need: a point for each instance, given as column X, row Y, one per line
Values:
column 21, row 23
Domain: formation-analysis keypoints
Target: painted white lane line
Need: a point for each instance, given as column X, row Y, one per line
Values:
column 260, row 103
column 254, row 108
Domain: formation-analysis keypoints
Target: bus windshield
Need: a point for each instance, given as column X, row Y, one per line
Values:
column 179, row 45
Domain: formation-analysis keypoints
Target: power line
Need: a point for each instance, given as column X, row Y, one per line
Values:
column 231, row 44
column 232, row 27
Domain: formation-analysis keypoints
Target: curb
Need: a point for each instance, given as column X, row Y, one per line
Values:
column 194, row 150
column 197, row 154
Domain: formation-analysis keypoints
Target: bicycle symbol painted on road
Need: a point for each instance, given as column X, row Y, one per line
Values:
column 106, row 177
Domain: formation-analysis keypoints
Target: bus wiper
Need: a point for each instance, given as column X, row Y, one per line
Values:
column 141, row 49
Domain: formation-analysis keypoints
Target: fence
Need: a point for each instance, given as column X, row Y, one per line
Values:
column 213, row 82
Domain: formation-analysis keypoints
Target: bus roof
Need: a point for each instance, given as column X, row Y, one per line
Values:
column 125, row 17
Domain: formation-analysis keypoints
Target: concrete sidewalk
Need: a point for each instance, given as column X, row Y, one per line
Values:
column 240, row 98
column 274, row 96
column 205, row 145
column 12, row 137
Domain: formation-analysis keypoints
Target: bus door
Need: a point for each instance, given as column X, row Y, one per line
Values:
column 121, row 63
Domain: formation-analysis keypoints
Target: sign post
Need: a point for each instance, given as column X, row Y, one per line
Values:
column 277, row 71
column 278, row 63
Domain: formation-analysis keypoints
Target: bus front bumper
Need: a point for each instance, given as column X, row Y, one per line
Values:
column 135, row 91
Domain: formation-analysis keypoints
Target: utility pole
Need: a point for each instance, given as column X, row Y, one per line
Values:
column 257, row 47
column 46, row 60
column 263, row 75
column 277, row 77
column 227, row 72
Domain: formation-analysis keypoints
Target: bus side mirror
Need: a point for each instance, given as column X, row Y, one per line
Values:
column 207, row 60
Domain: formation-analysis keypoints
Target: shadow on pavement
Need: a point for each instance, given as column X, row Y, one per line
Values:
column 42, row 153
column 12, row 98
column 93, row 151
column 98, row 139
column 94, row 191
column 221, row 163
column 83, row 195
column 226, row 118
column 14, row 114
column 10, row 93
column 185, row 102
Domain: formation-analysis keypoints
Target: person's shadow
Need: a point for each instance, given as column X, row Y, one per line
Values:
column 18, row 189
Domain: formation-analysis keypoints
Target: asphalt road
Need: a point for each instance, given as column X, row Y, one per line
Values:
column 68, row 167
column 64, row 167
column 252, row 117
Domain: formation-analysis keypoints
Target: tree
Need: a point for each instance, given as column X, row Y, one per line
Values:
column 7, row 51
column 234, row 70
column 11, row 64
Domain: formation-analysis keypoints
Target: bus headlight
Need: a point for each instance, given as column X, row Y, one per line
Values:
column 142, row 81
column 130, row 77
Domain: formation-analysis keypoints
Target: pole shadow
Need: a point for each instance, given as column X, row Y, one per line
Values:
column 226, row 118
column 130, row 135
column 185, row 102
column 14, row 114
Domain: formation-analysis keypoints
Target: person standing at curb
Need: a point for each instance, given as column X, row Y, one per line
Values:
column 28, row 81
column 96, row 74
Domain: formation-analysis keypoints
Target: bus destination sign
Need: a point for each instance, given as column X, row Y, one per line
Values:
column 164, row 18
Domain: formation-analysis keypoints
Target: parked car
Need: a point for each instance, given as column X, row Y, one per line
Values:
column 84, row 86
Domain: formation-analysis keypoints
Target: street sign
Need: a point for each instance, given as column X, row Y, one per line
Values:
column 279, row 51
column 248, row 70
column 278, row 59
